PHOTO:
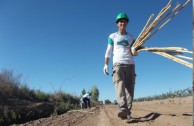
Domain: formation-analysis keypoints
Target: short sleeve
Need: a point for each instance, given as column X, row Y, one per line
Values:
column 110, row 41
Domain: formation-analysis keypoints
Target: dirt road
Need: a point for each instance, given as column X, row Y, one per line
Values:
column 169, row 112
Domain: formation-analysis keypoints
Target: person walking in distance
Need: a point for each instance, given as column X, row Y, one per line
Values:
column 86, row 100
column 120, row 45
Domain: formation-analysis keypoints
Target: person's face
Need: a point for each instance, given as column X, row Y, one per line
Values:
column 122, row 24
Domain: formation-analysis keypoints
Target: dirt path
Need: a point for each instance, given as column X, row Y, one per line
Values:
column 170, row 112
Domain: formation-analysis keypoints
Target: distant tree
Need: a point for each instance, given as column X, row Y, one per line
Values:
column 94, row 93
column 90, row 93
column 101, row 102
column 83, row 92
column 115, row 102
column 107, row 101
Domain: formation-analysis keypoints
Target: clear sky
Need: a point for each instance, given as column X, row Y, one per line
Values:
column 63, row 43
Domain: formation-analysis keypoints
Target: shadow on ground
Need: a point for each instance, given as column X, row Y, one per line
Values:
column 149, row 117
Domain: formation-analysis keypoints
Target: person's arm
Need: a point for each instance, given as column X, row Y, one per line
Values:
column 133, row 49
column 106, row 66
column 107, row 58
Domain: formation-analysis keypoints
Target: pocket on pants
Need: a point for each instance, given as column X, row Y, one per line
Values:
column 116, row 76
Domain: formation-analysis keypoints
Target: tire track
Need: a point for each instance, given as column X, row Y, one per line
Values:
column 111, row 112
column 104, row 118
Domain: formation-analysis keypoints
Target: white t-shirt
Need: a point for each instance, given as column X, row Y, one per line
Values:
column 120, row 46
column 86, row 95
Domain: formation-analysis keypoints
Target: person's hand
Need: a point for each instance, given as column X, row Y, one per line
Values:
column 106, row 69
column 134, row 51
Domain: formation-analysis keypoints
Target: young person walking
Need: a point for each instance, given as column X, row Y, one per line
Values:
column 120, row 45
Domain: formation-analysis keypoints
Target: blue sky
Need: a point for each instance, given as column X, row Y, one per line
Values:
column 63, row 43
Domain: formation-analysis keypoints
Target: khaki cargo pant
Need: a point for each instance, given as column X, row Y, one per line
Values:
column 124, row 81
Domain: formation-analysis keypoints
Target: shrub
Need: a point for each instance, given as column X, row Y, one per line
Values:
column 177, row 93
column 41, row 95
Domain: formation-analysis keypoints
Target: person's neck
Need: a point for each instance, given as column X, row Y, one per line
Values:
column 122, row 32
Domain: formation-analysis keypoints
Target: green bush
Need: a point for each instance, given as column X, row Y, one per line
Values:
column 107, row 101
column 41, row 95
